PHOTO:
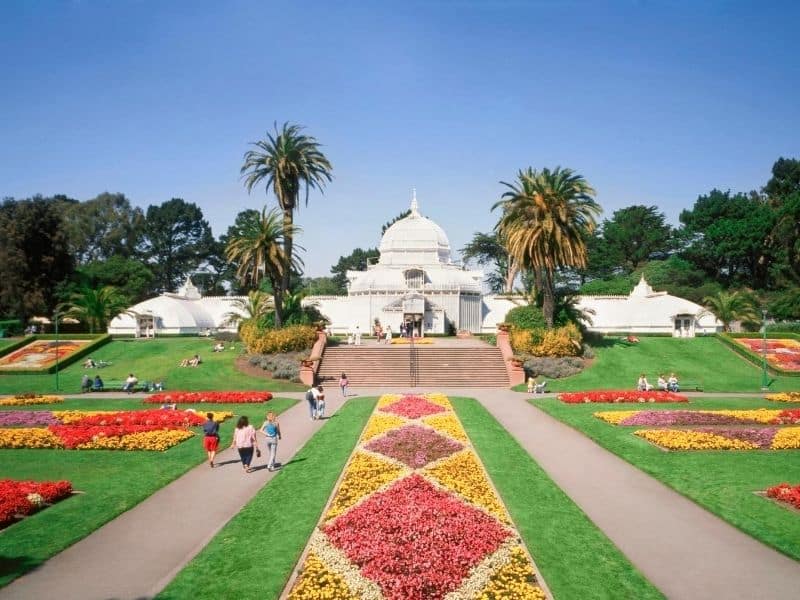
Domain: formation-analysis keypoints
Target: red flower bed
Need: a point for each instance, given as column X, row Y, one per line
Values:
column 20, row 498
column 611, row 396
column 210, row 397
column 163, row 418
column 75, row 435
column 786, row 493
column 788, row 417
column 396, row 536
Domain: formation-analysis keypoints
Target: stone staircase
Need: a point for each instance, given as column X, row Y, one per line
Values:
column 382, row 365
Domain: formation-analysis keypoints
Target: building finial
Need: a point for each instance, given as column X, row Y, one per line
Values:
column 414, row 205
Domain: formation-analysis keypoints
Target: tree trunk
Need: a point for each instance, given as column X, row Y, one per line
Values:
column 511, row 275
column 548, row 297
column 288, row 242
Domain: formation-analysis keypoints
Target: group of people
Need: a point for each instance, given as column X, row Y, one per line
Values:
column 665, row 384
column 245, row 440
column 316, row 402
column 191, row 362
column 95, row 385
column 381, row 334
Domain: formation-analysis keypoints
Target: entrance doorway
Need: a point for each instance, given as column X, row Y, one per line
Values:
column 412, row 325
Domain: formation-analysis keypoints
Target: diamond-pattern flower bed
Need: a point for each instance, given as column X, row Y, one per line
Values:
column 375, row 535
column 413, row 407
column 785, row 493
column 414, row 446
column 765, row 438
column 429, row 533
column 664, row 418
column 17, row 418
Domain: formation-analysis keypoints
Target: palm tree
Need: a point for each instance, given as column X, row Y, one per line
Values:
column 256, row 305
column 286, row 162
column 94, row 307
column 258, row 249
column 547, row 216
column 732, row 306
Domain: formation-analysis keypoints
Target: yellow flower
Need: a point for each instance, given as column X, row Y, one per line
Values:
column 447, row 424
column 364, row 475
column 70, row 416
column 388, row 399
column 25, row 401
column 787, row 438
column 784, row 397
column 317, row 581
column 514, row 580
column 439, row 399
column 379, row 424
column 28, row 437
column 760, row 415
column 679, row 439
column 615, row 417
column 147, row 440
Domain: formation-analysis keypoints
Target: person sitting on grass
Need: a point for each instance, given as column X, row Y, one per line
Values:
column 643, row 385
column 195, row 361
column 97, row 385
column 89, row 363
column 218, row 347
column 672, row 383
column 662, row 383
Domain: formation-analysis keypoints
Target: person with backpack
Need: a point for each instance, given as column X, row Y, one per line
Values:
column 272, row 431
column 311, row 397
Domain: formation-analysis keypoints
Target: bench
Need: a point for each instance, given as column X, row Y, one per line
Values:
column 687, row 386
column 113, row 385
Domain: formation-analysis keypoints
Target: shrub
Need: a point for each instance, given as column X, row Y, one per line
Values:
column 526, row 317
column 553, row 368
column 293, row 338
column 561, row 341
column 11, row 326
column 226, row 336
column 784, row 327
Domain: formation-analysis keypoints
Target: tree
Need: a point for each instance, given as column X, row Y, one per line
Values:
column 288, row 162
column 488, row 249
column 177, row 239
column 102, row 227
column 258, row 250
column 785, row 180
column 635, row 235
column 34, row 256
column 95, row 307
column 256, row 305
column 357, row 260
column 732, row 306
column 547, row 216
column 131, row 277
column 320, row 286
column 726, row 236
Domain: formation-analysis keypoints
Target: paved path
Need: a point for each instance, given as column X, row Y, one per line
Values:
column 137, row 554
column 684, row 550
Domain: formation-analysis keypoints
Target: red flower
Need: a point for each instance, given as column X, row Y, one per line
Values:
column 15, row 501
column 607, row 396
column 210, row 397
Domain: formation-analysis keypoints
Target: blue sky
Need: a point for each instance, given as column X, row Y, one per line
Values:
column 653, row 102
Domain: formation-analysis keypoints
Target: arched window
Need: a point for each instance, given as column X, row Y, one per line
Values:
column 415, row 278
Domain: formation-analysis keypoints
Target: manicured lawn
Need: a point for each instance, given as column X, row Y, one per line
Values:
column 724, row 482
column 575, row 558
column 703, row 360
column 7, row 342
column 110, row 482
column 254, row 554
column 153, row 360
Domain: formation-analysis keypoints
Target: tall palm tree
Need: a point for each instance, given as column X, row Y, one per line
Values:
column 258, row 249
column 94, row 307
column 732, row 306
column 287, row 162
column 547, row 216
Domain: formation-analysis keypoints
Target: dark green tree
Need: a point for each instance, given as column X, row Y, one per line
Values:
column 487, row 249
column 320, row 286
column 34, row 256
column 177, row 239
column 785, row 180
column 130, row 276
column 636, row 234
column 357, row 260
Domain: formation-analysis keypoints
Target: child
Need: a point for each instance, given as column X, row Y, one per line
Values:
column 343, row 382
column 320, row 404
column 531, row 384
column 272, row 431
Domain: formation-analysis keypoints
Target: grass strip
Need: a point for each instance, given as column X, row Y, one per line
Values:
column 111, row 482
column 575, row 558
column 722, row 481
column 260, row 546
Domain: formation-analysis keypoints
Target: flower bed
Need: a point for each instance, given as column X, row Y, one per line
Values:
column 663, row 418
column 124, row 430
column 29, row 399
column 30, row 418
column 786, row 493
column 22, row 498
column 209, row 397
column 765, row 438
column 415, row 516
column 782, row 353
column 614, row 396
column 403, row 341
column 784, row 397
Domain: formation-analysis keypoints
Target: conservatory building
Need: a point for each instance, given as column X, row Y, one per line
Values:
column 416, row 283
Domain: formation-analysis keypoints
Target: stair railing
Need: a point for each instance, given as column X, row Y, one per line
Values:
column 413, row 364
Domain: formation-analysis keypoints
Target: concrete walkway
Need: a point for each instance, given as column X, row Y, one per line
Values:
column 684, row 550
column 137, row 554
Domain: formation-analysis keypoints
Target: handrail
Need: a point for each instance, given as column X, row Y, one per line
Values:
column 413, row 366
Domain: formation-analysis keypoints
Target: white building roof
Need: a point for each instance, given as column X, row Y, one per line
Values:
column 414, row 240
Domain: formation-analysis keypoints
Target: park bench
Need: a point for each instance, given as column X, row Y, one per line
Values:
column 114, row 385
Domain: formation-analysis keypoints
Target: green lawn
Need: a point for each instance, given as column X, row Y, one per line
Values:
column 110, row 483
column 723, row 482
column 7, row 342
column 260, row 546
column 575, row 558
column 153, row 360
column 703, row 360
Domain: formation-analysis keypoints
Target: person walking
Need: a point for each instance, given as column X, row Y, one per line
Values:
column 388, row 334
column 358, row 336
column 272, row 431
column 343, row 383
column 210, row 438
column 311, row 398
column 244, row 440
column 320, row 403
column 86, row 383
